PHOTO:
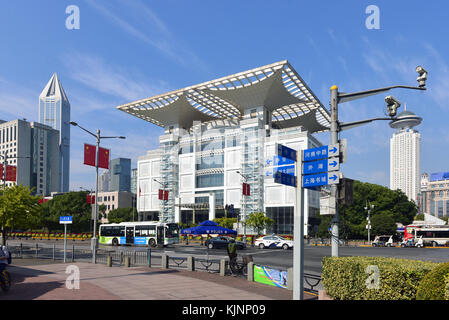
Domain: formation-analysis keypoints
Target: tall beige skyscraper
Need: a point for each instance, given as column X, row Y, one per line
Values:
column 405, row 152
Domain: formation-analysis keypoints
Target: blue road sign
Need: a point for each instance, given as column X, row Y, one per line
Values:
column 281, row 161
column 284, row 178
column 320, row 179
column 285, row 152
column 321, row 166
column 270, row 172
column 65, row 219
column 321, row 152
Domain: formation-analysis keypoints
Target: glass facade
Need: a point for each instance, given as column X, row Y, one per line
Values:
column 210, row 180
column 283, row 219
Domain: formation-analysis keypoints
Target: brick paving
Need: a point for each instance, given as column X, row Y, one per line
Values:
column 34, row 281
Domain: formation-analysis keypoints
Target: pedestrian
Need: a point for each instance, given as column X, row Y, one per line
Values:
column 4, row 256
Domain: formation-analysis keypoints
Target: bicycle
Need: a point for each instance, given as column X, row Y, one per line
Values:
column 5, row 280
column 235, row 267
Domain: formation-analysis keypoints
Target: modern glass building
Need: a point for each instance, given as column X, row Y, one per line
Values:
column 54, row 111
column 220, row 134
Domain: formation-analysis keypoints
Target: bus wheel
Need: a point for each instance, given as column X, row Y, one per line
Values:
column 152, row 243
column 115, row 242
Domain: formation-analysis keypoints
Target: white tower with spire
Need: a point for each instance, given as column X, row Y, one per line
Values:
column 54, row 111
column 405, row 153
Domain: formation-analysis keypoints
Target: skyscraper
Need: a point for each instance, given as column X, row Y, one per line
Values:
column 405, row 155
column 54, row 111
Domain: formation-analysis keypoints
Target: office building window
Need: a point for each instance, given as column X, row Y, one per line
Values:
column 210, row 180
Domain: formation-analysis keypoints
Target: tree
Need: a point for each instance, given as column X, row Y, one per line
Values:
column 389, row 204
column 102, row 210
column 226, row 222
column 259, row 221
column 19, row 209
column 383, row 223
column 68, row 204
column 120, row 215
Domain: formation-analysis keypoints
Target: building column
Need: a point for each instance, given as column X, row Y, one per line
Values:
column 211, row 206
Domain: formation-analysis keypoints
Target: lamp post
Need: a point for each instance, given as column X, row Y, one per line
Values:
column 245, row 177
column 336, row 127
column 368, row 208
column 98, row 138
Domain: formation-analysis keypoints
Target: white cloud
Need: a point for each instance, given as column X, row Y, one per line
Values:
column 95, row 73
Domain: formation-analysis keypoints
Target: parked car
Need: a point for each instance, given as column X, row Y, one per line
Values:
column 383, row 241
column 273, row 241
column 221, row 242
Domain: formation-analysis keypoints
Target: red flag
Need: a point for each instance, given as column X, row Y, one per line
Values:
column 90, row 199
column 11, row 173
column 246, row 189
column 140, row 191
column 161, row 194
column 165, row 194
column 89, row 154
column 103, row 158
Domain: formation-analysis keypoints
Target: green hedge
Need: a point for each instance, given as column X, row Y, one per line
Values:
column 434, row 285
column 348, row 278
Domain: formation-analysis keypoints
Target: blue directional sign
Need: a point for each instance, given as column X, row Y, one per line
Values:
column 321, row 166
column 285, row 152
column 284, row 169
column 321, row 152
column 320, row 179
column 65, row 219
column 284, row 178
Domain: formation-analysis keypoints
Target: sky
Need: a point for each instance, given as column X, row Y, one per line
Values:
column 125, row 50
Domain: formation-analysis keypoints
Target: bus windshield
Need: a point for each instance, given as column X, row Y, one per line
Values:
column 172, row 230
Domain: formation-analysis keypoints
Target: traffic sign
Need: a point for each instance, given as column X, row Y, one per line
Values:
column 269, row 172
column 318, row 166
column 320, row 179
column 321, row 152
column 284, row 178
column 285, row 152
column 65, row 220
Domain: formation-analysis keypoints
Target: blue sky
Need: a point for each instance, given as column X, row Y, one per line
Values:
column 133, row 49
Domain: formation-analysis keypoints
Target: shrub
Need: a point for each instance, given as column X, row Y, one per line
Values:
column 433, row 285
column 348, row 278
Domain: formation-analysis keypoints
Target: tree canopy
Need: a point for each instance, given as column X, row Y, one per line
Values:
column 258, row 221
column 19, row 209
column 68, row 204
column 390, row 207
column 120, row 215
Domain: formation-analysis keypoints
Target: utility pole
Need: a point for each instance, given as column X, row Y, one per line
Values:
column 368, row 208
column 98, row 138
column 336, row 127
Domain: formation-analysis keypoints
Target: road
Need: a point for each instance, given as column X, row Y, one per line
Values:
column 276, row 258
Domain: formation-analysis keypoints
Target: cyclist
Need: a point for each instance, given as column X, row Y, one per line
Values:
column 232, row 253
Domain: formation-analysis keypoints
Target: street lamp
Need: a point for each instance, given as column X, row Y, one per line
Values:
column 335, row 127
column 98, row 137
column 368, row 208
column 245, row 177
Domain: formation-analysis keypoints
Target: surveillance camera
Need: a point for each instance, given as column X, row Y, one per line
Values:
column 422, row 76
column 392, row 105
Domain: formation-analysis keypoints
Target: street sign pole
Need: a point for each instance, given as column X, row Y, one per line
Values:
column 334, row 188
column 298, row 233
column 65, row 240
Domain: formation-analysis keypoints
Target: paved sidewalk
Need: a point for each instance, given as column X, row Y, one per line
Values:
column 34, row 281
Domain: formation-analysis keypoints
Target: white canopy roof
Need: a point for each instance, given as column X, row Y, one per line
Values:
column 276, row 86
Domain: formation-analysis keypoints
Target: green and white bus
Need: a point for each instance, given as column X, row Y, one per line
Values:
column 149, row 233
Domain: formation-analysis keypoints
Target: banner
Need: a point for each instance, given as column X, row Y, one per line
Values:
column 103, row 158
column 89, row 154
column 272, row 277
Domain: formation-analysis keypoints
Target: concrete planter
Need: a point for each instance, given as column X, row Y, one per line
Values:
column 322, row 295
